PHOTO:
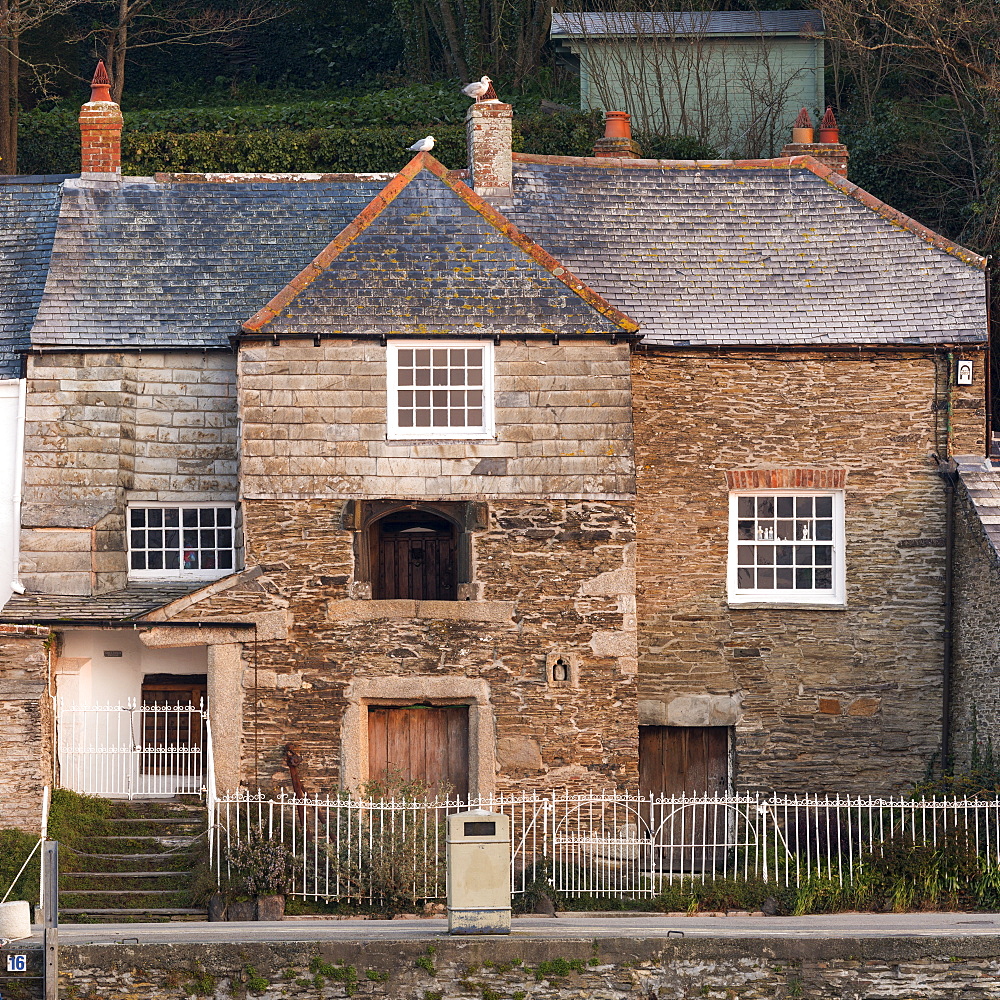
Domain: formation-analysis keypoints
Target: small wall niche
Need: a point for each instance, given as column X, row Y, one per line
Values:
column 562, row 669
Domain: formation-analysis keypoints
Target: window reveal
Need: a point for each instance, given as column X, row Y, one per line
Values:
column 797, row 533
column 180, row 540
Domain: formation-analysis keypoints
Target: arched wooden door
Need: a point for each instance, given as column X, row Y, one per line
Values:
column 415, row 558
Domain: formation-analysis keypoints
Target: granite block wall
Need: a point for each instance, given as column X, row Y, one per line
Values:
column 103, row 428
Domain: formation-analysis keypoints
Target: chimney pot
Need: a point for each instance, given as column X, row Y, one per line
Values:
column 828, row 129
column 100, row 128
column 617, row 139
column 802, row 130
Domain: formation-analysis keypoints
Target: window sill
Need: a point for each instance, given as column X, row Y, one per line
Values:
column 468, row 611
column 783, row 606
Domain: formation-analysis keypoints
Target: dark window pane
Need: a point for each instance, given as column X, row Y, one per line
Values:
column 765, row 555
column 423, row 418
column 190, row 518
column 785, row 506
column 440, row 418
column 804, row 506
column 475, row 418
column 191, row 559
column 208, row 560
column 824, row 506
column 138, row 517
column 803, row 555
column 803, row 579
column 154, row 539
column 824, row 531
column 824, row 579
column 422, row 377
column 225, row 538
column 765, row 579
column 785, row 555
column 138, row 539
column 138, row 560
column 786, row 530
column 207, row 517
column 206, row 539
column 171, row 516
column 225, row 560
column 744, row 579
column 224, row 516
column 783, row 579
column 422, row 358
column 765, row 506
column 744, row 529
column 744, row 555
column 824, row 555
column 154, row 517
column 172, row 539
column 173, row 560
column 745, row 506
column 405, row 357
column 190, row 539
column 474, row 357
column 155, row 560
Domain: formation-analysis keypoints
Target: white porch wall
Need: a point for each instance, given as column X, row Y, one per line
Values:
column 11, row 468
column 87, row 677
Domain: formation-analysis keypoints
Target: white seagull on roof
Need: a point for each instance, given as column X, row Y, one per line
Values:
column 478, row 88
column 424, row 145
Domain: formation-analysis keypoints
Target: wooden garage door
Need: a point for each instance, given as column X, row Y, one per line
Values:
column 685, row 760
column 426, row 743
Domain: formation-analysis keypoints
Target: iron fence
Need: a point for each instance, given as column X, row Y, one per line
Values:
column 131, row 750
column 621, row 845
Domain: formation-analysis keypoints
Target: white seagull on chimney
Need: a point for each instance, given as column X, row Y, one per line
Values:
column 424, row 145
column 478, row 88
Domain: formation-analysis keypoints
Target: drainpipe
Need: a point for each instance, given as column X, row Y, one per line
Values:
column 949, row 474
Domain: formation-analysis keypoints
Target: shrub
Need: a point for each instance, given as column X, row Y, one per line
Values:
column 258, row 866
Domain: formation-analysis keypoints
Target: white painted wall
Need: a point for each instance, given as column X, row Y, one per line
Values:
column 11, row 477
column 85, row 676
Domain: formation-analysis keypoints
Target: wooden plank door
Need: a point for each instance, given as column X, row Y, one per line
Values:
column 170, row 729
column 685, row 760
column 424, row 743
column 417, row 567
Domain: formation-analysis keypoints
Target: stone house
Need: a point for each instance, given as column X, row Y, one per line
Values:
column 555, row 472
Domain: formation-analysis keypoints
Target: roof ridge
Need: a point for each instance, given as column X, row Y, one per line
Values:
column 388, row 194
column 810, row 163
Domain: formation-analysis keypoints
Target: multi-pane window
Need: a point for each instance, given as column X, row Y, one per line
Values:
column 786, row 547
column 174, row 541
column 440, row 389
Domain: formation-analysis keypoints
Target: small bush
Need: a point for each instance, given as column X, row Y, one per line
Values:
column 258, row 866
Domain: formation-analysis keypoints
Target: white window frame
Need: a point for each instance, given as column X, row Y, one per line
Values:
column 180, row 573
column 394, row 431
column 832, row 598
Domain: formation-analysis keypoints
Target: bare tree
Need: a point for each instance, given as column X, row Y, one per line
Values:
column 470, row 36
column 143, row 24
column 938, row 62
column 676, row 78
column 17, row 18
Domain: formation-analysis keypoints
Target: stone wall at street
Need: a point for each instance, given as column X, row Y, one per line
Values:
column 829, row 699
column 105, row 428
column 25, row 726
column 553, row 577
column 757, row 968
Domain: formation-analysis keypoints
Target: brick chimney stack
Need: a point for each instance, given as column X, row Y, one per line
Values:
column 488, row 128
column 101, row 129
column 617, row 139
column 829, row 150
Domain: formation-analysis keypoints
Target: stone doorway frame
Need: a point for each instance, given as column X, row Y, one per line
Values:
column 420, row 689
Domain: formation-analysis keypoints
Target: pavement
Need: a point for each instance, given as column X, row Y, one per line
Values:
column 565, row 927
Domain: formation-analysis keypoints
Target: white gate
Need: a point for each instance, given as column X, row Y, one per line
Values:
column 132, row 750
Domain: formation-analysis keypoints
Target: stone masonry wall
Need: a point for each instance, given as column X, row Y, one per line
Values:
column 833, row 699
column 439, row 968
column 25, row 726
column 976, row 659
column 555, row 576
column 314, row 424
column 103, row 428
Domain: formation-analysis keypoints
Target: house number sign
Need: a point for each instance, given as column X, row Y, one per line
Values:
column 17, row 963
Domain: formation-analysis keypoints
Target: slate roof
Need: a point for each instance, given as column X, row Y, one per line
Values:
column 729, row 22
column 136, row 600
column 29, row 207
column 981, row 479
column 760, row 253
column 431, row 257
column 720, row 255
column 167, row 264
